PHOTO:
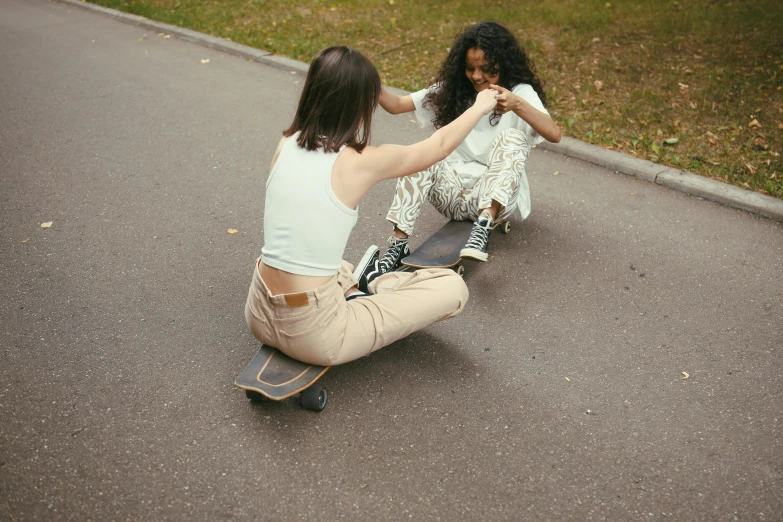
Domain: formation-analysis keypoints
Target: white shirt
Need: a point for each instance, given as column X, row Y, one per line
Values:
column 469, row 160
column 306, row 227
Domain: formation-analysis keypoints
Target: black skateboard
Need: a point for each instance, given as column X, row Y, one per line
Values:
column 272, row 375
column 441, row 249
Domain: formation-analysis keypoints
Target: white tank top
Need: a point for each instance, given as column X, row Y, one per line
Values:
column 306, row 227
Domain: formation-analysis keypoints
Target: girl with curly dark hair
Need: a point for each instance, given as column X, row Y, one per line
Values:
column 484, row 179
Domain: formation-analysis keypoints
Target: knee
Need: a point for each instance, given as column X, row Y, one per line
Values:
column 455, row 289
column 513, row 136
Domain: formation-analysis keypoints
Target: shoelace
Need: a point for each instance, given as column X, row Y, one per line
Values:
column 392, row 253
column 479, row 236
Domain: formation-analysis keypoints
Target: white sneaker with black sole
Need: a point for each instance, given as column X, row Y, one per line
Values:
column 476, row 247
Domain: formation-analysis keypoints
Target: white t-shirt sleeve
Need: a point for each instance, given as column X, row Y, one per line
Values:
column 527, row 93
column 424, row 116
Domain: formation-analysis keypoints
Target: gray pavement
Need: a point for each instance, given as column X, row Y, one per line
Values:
column 557, row 395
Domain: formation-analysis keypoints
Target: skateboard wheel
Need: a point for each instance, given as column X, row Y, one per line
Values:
column 314, row 398
column 507, row 227
column 460, row 270
column 255, row 396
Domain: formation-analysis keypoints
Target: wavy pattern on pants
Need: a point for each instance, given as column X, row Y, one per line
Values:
column 441, row 186
column 506, row 166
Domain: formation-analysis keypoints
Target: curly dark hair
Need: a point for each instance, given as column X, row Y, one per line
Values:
column 502, row 52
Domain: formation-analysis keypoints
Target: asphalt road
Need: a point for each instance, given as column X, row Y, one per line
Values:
column 557, row 395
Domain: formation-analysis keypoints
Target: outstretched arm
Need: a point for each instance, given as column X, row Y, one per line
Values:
column 541, row 122
column 394, row 104
column 394, row 161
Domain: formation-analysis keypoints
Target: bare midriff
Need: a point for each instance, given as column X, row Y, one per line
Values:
column 281, row 282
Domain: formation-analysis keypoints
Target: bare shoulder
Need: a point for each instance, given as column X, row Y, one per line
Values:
column 360, row 163
column 350, row 179
column 347, row 161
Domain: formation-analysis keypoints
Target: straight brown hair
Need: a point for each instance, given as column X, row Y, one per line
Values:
column 339, row 97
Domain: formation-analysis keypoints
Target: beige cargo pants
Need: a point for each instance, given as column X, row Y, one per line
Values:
column 321, row 327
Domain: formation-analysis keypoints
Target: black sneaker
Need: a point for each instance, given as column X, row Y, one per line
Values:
column 398, row 249
column 368, row 268
column 476, row 247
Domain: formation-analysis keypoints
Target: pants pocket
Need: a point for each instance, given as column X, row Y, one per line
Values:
column 258, row 324
column 303, row 342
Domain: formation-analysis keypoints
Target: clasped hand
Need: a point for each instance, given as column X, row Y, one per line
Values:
column 486, row 100
column 506, row 100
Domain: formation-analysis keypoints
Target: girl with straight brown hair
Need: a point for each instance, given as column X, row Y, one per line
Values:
column 304, row 299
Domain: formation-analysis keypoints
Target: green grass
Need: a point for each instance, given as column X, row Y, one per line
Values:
column 701, row 72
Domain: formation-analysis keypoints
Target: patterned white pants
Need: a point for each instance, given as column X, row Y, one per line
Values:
column 442, row 187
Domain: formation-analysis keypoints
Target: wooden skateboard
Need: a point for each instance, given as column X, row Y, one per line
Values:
column 272, row 375
column 441, row 249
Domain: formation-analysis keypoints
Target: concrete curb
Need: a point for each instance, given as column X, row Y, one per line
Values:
column 682, row 181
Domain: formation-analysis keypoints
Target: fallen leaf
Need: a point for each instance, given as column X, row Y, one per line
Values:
column 754, row 124
column 569, row 380
column 556, row 173
column 166, row 37
column 47, row 224
column 25, row 240
column 232, row 230
column 685, row 374
column 750, row 167
column 205, row 60
column 671, row 141
column 598, row 84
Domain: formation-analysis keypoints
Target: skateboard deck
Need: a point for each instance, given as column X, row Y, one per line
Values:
column 276, row 376
column 441, row 249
